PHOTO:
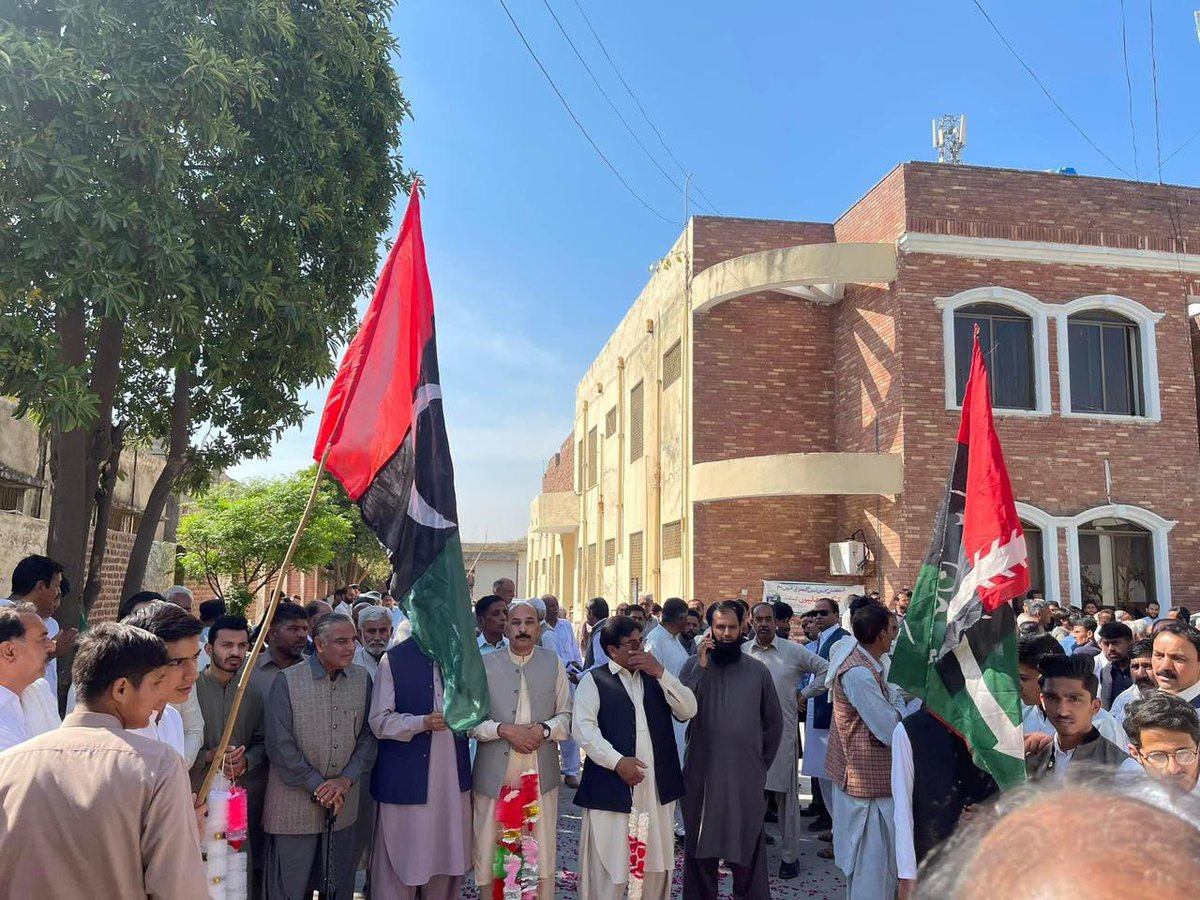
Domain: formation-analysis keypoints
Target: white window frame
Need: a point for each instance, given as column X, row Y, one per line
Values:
column 1039, row 327
column 1158, row 527
column 1049, row 526
column 1135, row 312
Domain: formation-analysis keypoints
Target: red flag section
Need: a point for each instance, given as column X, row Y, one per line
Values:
column 992, row 536
column 370, row 405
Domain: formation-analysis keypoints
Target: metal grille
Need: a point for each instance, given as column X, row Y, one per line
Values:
column 672, row 365
column 12, row 498
column 610, row 423
column 636, row 409
column 635, row 563
column 672, row 540
column 610, row 552
column 591, row 571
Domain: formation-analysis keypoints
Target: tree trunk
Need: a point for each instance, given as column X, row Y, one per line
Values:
column 177, row 451
column 106, row 491
column 70, row 509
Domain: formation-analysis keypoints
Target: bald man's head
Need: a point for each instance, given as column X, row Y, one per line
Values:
column 1018, row 849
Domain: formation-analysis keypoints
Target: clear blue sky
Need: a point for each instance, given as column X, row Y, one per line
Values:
column 780, row 109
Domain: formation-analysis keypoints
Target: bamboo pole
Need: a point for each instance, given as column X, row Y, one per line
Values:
column 251, row 661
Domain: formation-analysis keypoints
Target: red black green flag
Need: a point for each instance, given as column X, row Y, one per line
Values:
column 957, row 648
column 384, row 427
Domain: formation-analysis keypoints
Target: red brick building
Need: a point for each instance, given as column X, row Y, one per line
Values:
column 779, row 386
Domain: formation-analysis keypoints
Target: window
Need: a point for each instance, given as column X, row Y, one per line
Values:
column 592, row 458
column 1116, row 563
column 635, row 563
column 672, row 538
column 579, row 466
column 610, row 422
column 1035, row 552
column 1106, row 365
column 672, row 365
column 12, row 497
column 636, row 410
column 610, row 552
column 590, row 579
column 1006, row 339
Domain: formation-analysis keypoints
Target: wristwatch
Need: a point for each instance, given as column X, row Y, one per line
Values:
column 545, row 731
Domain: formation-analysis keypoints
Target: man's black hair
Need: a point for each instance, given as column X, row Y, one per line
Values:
column 112, row 651
column 615, row 628
column 166, row 621
column 483, row 604
column 1159, row 709
column 1181, row 628
column 1079, row 667
column 135, row 599
column 1114, row 631
column 227, row 623
column 1087, row 622
column 288, row 612
column 211, row 610
column 313, row 608
column 673, row 611
column 857, row 602
column 598, row 608
column 869, row 621
column 1139, row 649
column 737, row 607
column 32, row 571
column 11, row 626
column 1031, row 649
column 782, row 610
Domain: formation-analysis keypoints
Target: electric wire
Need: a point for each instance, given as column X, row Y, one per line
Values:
column 608, row 99
column 1129, row 92
column 1046, row 90
column 638, row 103
column 579, row 124
column 1154, row 82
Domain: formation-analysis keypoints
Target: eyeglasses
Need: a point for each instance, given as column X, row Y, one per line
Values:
column 1160, row 758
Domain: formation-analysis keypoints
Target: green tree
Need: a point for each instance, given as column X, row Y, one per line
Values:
column 239, row 532
column 193, row 195
column 360, row 559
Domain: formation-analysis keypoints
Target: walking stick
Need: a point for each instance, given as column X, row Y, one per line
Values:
column 327, row 881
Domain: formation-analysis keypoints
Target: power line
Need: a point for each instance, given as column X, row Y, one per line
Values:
column 1129, row 91
column 575, row 119
column 1046, row 90
column 1154, row 82
column 638, row 103
column 604, row 94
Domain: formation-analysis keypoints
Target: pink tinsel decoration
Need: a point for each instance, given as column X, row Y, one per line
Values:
column 236, row 827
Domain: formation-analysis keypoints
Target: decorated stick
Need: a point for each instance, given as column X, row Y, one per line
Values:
column 251, row 660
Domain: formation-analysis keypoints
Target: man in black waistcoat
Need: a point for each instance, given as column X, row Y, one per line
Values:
column 631, row 778
column 933, row 782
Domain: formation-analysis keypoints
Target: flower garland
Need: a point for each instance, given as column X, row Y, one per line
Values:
column 515, row 865
column 639, row 829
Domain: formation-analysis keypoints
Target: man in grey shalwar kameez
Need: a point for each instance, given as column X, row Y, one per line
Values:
column 731, row 742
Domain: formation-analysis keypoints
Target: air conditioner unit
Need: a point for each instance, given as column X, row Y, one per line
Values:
column 847, row 558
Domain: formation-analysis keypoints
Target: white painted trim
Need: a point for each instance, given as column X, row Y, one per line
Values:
column 1039, row 326
column 1145, row 319
column 1051, row 253
column 1049, row 526
column 1158, row 527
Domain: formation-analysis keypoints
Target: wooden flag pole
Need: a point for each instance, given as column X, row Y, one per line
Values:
column 252, row 660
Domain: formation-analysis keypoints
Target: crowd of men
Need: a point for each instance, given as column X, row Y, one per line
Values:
column 682, row 727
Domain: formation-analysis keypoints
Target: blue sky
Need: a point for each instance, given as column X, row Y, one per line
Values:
column 780, row 109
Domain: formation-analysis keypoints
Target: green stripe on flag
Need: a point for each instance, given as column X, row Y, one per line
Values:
column 443, row 625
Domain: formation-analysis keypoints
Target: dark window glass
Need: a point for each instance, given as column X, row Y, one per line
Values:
column 1006, row 339
column 1105, row 364
column 1033, row 552
column 1116, row 563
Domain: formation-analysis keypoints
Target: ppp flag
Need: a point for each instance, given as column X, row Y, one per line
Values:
column 957, row 648
column 386, row 434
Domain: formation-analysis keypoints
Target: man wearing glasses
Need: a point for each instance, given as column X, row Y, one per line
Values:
column 1164, row 734
column 821, row 621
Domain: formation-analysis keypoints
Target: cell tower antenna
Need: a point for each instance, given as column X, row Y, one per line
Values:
column 949, row 138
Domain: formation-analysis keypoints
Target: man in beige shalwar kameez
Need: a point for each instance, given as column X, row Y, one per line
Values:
column 530, row 712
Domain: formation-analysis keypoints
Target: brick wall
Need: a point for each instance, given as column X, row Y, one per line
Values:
column 879, row 215
column 715, row 240
column 741, row 542
column 112, row 574
column 560, row 470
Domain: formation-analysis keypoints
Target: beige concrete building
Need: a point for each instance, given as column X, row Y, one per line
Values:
column 492, row 561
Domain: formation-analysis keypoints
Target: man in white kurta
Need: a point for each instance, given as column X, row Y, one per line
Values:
column 530, row 743
column 823, row 619
column 787, row 663
column 603, row 844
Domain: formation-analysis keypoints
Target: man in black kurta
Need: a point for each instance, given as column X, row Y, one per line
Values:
column 730, row 745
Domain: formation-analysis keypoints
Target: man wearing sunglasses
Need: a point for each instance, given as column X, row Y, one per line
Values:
column 1164, row 740
column 821, row 623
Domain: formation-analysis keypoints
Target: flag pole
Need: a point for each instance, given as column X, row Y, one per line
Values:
column 251, row 660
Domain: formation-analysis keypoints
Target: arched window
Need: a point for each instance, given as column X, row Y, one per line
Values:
column 1106, row 363
column 1034, row 549
column 1006, row 339
column 1116, row 563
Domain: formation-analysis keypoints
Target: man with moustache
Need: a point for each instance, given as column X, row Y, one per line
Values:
column 320, row 747
column 530, row 711
column 27, row 706
column 731, row 744
column 375, row 633
column 1115, row 639
column 1141, row 670
column 1176, row 660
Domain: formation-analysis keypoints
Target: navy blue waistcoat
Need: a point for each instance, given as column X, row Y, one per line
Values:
column 601, row 788
column 401, row 773
column 822, row 705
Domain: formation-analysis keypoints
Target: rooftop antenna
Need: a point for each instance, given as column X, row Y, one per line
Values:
column 949, row 138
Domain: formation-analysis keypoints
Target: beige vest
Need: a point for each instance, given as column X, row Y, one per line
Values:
column 326, row 718
column 504, row 684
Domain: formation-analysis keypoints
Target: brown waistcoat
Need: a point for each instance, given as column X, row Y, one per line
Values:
column 857, row 761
